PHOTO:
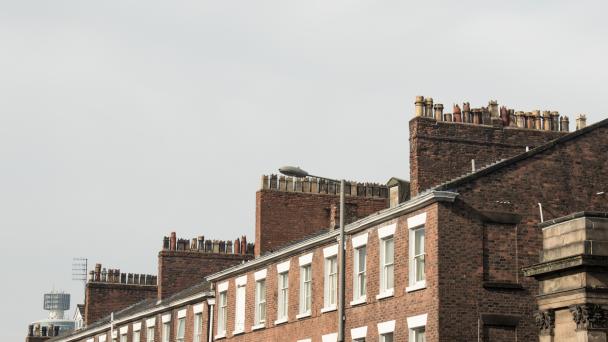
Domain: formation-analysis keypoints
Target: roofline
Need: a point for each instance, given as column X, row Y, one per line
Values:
column 155, row 310
column 506, row 162
column 373, row 219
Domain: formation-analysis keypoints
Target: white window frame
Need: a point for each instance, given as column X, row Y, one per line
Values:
column 305, row 305
column 197, row 332
column 222, row 312
column 166, row 330
column 240, row 305
column 359, row 275
column 136, row 335
column 150, row 336
column 415, row 325
column 330, row 278
column 123, row 334
column 102, row 338
column 282, row 297
column 386, row 234
column 416, row 224
column 260, row 302
column 385, row 328
column 181, row 323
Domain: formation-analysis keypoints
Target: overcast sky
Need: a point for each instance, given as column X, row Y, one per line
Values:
column 121, row 121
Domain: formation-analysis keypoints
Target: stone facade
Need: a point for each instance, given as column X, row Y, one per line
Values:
column 573, row 279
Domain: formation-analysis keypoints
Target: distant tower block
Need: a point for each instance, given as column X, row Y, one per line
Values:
column 56, row 303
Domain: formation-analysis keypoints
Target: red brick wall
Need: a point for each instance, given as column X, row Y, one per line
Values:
column 441, row 151
column 284, row 217
column 499, row 262
column 179, row 270
column 374, row 311
column 565, row 179
column 158, row 325
column 104, row 298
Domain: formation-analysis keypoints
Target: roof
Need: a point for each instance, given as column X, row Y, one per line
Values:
column 145, row 307
column 422, row 200
column 471, row 176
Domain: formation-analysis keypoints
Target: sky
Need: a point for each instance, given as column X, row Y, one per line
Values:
column 121, row 121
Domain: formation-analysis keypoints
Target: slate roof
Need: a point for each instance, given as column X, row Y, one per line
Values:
column 468, row 177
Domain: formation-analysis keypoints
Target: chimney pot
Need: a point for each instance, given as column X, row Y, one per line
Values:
column 581, row 121
column 173, row 242
column 493, row 108
column 457, row 115
column 439, row 112
column 419, row 105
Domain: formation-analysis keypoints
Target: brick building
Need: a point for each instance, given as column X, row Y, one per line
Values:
column 435, row 258
column 445, row 264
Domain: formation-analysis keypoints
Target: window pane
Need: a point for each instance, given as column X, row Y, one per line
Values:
column 420, row 268
column 166, row 332
column 181, row 328
column 150, row 334
column 389, row 256
column 419, row 241
column 361, row 256
column 390, row 277
column 386, row 337
column 419, row 335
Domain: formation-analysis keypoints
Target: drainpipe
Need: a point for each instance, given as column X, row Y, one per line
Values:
column 342, row 247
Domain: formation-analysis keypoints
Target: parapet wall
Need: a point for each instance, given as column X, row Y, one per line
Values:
column 289, row 209
column 320, row 186
column 183, row 263
column 109, row 290
column 444, row 146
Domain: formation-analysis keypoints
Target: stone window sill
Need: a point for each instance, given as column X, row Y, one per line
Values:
column 258, row 326
column 280, row 321
column 329, row 309
column 418, row 286
column 359, row 301
column 303, row 315
column 220, row 336
column 386, row 294
column 238, row 332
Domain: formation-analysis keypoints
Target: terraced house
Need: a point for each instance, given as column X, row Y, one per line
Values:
column 435, row 258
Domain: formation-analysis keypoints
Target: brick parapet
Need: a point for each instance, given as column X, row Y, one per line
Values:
column 180, row 269
column 285, row 217
column 101, row 299
column 441, row 151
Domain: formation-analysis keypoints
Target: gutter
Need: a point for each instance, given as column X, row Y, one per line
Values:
column 415, row 203
column 155, row 310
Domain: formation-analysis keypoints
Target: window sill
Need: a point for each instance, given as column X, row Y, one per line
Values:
column 258, row 326
column 386, row 294
column 359, row 301
column 280, row 321
column 238, row 332
column 329, row 309
column 220, row 336
column 418, row 286
column 303, row 315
